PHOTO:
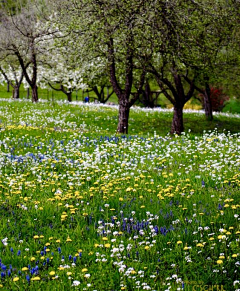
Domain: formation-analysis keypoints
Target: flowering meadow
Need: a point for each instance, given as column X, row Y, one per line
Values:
column 85, row 209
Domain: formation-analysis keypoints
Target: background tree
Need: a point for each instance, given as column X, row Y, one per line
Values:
column 22, row 34
column 13, row 75
column 217, row 23
column 61, row 73
column 188, row 36
column 115, row 32
column 97, row 78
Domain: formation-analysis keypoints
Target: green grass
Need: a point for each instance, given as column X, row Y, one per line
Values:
column 85, row 209
column 232, row 106
column 141, row 121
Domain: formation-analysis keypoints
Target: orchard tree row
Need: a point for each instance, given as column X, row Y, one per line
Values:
column 182, row 46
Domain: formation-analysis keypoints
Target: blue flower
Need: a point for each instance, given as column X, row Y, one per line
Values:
column 28, row 278
column 3, row 275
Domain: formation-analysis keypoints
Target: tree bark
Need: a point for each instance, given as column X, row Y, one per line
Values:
column 15, row 94
column 207, row 103
column 177, row 122
column 123, row 116
column 34, row 93
column 69, row 96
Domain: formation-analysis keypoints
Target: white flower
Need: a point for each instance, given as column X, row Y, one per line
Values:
column 236, row 282
column 4, row 241
column 75, row 283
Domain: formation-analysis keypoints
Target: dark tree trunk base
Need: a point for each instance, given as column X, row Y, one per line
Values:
column 69, row 97
column 15, row 94
column 34, row 94
column 208, row 107
column 177, row 123
column 123, row 117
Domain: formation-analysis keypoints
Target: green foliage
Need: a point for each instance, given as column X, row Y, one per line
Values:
column 232, row 106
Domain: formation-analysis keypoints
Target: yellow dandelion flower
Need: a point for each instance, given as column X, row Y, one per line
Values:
column 200, row 245
column 36, row 279
column 52, row 273
column 15, row 279
column 104, row 238
column 68, row 239
column 219, row 262
column 107, row 245
column 84, row 270
column 32, row 259
column 234, row 255
column 179, row 242
column 69, row 273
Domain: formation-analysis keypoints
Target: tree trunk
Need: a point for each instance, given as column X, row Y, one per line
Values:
column 207, row 103
column 8, row 86
column 123, row 116
column 15, row 94
column 177, row 123
column 35, row 94
column 147, row 96
column 69, row 96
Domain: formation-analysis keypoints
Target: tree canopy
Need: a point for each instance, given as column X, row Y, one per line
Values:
column 185, row 45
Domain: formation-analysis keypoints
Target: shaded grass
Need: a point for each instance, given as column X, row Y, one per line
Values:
column 196, row 123
column 141, row 122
